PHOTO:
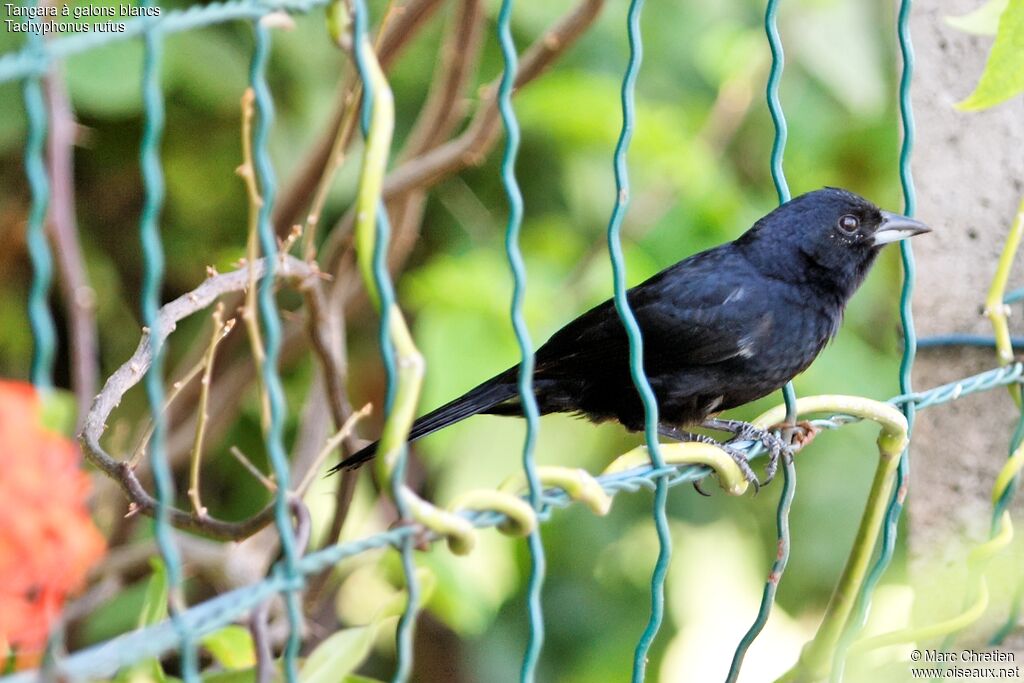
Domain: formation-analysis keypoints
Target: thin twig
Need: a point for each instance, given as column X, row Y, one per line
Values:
column 446, row 102
column 261, row 642
column 329, row 446
column 244, row 461
column 220, row 330
column 325, row 329
column 249, row 313
column 147, row 434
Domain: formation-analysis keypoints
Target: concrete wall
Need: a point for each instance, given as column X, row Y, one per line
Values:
column 969, row 172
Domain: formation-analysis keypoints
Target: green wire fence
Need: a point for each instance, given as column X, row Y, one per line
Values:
column 153, row 270
column 526, row 396
column 186, row 624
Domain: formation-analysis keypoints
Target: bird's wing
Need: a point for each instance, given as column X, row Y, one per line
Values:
column 701, row 311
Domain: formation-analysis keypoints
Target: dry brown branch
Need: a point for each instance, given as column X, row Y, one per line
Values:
column 469, row 148
column 472, row 146
column 401, row 28
column 79, row 298
column 444, row 109
column 325, row 329
column 132, row 371
column 446, row 103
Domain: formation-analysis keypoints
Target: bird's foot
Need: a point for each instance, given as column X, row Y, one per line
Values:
column 744, row 431
column 738, row 456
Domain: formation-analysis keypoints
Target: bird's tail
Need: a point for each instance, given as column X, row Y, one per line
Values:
column 487, row 395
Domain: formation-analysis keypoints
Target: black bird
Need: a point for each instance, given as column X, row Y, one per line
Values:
column 720, row 329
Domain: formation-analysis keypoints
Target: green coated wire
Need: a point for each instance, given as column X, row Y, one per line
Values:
column 1014, row 296
column 30, row 62
column 774, row 104
column 39, row 316
column 105, row 659
column 382, row 280
column 636, row 349
column 783, row 542
column 153, row 273
column 771, row 586
column 526, row 396
column 271, row 324
column 892, row 517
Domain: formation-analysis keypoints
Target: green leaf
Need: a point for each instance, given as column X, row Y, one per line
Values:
column 983, row 21
column 1004, row 72
column 232, row 647
column 353, row 678
column 341, row 653
column 154, row 607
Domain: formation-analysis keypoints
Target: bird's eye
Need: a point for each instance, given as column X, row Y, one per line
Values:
column 849, row 223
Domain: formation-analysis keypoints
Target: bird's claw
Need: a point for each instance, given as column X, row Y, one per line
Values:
column 672, row 432
column 740, row 458
column 775, row 446
column 744, row 431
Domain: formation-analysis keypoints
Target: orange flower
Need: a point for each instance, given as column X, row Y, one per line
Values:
column 48, row 542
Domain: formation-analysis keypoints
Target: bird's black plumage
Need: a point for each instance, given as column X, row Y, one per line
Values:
column 721, row 328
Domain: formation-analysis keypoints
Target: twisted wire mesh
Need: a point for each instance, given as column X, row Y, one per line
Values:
column 153, row 641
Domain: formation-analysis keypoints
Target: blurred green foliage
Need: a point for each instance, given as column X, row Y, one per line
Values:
column 699, row 166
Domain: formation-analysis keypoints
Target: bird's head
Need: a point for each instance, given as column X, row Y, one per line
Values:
column 829, row 234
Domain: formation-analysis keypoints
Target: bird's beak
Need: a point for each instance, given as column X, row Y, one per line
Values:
column 895, row 227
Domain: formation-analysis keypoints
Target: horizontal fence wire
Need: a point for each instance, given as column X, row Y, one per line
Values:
column 106, row 659
column 29, row 61
column 981, row 341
